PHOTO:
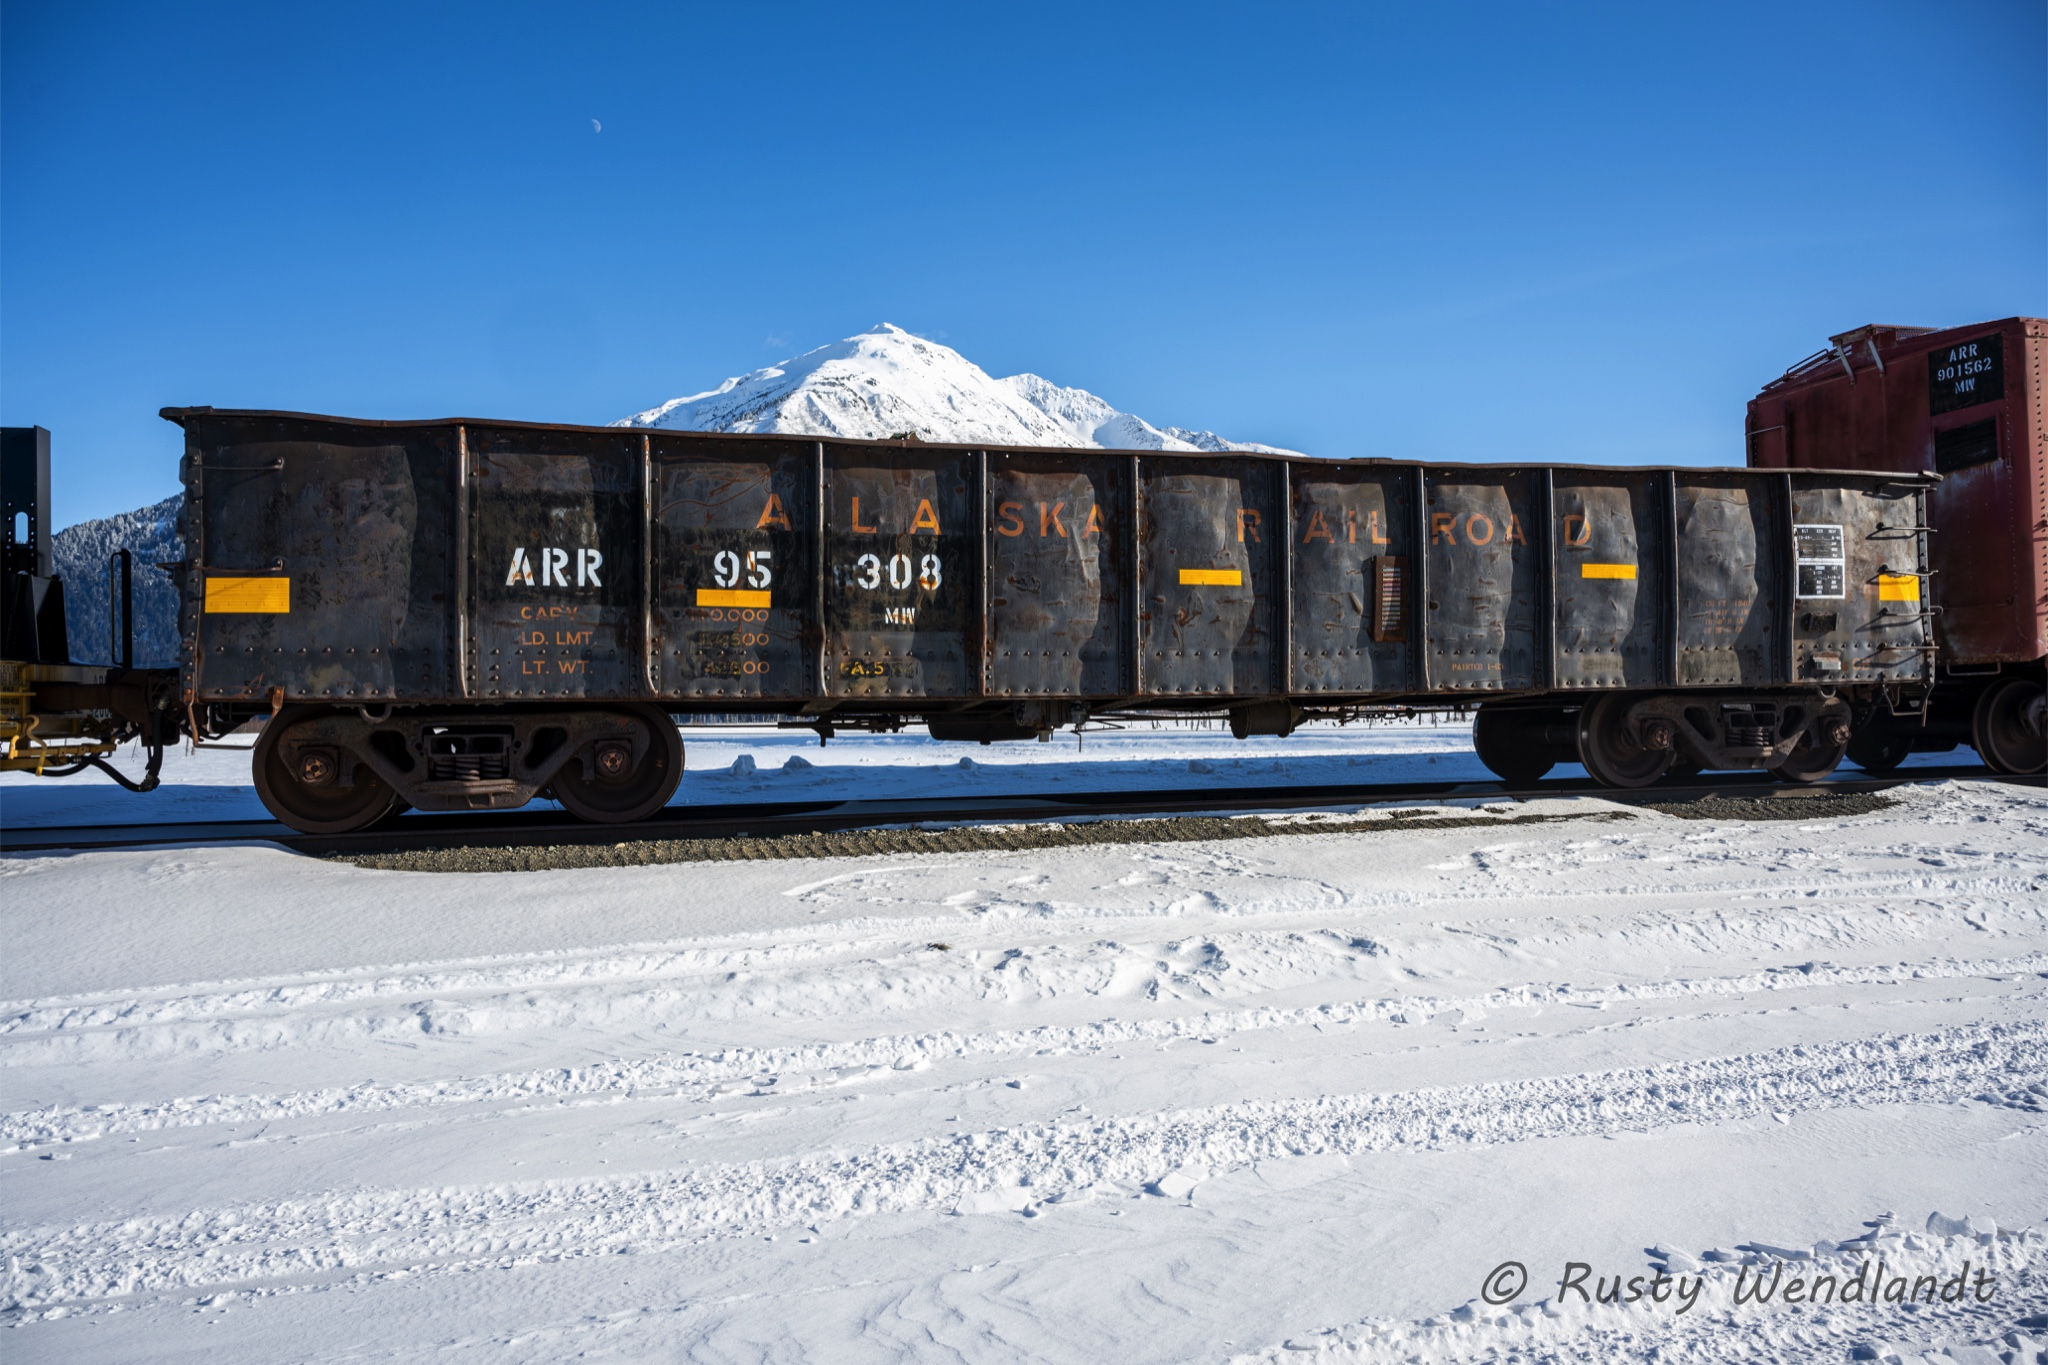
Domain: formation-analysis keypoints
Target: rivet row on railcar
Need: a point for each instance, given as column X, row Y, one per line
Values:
column 1966, row 404
column 464, row 614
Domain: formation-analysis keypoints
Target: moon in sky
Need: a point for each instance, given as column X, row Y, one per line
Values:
column 596, row 127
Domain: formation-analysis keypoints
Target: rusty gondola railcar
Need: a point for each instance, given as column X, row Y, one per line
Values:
column 461, row 614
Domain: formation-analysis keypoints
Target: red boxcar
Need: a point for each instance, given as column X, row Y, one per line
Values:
column 1965, row 403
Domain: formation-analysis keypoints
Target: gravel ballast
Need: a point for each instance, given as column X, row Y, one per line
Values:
column 895, row 842
column 982, row 838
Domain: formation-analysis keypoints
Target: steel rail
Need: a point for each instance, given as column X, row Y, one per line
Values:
column 532, row 828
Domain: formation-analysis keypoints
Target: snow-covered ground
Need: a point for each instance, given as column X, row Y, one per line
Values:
column 1264, row 1099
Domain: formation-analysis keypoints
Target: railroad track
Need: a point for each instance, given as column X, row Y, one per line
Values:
column 528, row 828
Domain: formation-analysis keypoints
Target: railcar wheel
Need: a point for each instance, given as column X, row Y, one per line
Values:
column 1816, row 754
column 1879, row 747
column 300, row 786
column 1510, row 744
column 625, row 781
column 1613, row 755
column 2010, row 727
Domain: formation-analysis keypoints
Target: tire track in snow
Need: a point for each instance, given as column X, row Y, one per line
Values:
column 676, row 986
column 705, row 1076
column 201, row 1001
column 1827, row 886
column 1027, row 1166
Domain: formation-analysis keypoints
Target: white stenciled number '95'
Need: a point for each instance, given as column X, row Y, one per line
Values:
column 726, row 568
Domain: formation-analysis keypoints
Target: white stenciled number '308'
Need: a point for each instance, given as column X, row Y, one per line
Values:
column 869, row 572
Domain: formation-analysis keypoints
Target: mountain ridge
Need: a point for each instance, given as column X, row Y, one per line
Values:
column 886, row 382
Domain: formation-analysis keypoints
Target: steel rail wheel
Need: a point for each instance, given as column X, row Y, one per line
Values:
column 1614, row 755
column 1813, row 758
column 2009, row 728
column 1510, row 744
column 1879, row 747
column 301, row 784
column 617, row 781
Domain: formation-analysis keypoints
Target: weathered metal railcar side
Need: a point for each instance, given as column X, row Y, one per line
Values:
column 1060, row 603
column 363, row 564
column 733, row 561
column 476, row 567
column 324, row 562
column 1352, row 544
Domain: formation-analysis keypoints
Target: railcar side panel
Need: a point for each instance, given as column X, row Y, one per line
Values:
column 734, row 573
column 1864, row 620
column 1481, row 612
column 1611, row 582
column 1730, row 588
column 1208, row 577
column 555, row 572
column 902, row 550
column 319, row 566
column 1352, row 543
column 1984, row 611
column 1058, row 533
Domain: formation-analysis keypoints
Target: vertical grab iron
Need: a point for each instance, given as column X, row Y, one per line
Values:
column 1670, row 606
column 650, row 647
column 1788, row 577
column 819, row 625
column 1283, row 603
column 121, row 618
column 1419, row 581
column 1135, row 612
column 982, row 651
column 1546, row 582
column 465, row 539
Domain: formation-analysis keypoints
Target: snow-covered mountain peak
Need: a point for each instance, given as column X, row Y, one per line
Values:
column 887, row 382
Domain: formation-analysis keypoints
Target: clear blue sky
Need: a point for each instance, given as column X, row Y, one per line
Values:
column 1487, row 232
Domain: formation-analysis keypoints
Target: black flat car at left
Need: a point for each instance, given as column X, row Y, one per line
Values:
column 463, row 614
